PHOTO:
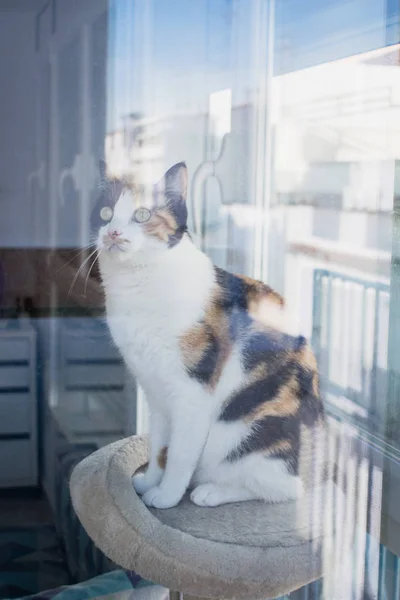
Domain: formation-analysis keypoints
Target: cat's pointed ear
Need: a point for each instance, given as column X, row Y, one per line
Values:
column 172, row 192
column 176, row 181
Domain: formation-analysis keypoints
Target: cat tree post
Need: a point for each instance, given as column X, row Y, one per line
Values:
column 247, row 550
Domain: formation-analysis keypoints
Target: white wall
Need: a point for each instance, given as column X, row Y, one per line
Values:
column 27, row 209
column 17, row 125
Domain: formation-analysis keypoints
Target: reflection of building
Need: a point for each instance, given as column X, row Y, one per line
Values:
column 337, row 137
column 336, row 129
column 335, row 149
column 136, row 150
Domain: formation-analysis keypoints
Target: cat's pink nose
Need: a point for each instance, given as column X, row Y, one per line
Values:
column 114, row 234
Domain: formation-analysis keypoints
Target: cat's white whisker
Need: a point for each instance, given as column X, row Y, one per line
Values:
column 82, row 251
column 79, row 271
column 89, row 271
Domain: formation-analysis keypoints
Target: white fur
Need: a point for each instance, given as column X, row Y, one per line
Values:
column 153, row 296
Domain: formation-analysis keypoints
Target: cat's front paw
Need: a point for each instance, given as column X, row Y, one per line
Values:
column 142, row 482
column 157, row 497
column 208, row 494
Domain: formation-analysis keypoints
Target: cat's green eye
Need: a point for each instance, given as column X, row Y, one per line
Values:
column 106, row 213
column 142, row 215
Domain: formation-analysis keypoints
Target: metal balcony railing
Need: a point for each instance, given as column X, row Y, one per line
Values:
column 350, row 339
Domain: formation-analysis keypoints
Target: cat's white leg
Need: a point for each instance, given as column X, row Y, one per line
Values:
column 270, row 480
column 254, row 476
column 158, row 441
column 189, row 432
column 213, row 494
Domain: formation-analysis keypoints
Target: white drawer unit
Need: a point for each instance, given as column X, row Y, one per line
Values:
column 89, row 360
column 18, row 407
column 14, row 376
column 15, row 413
column 88, row 380
column 17, row 462
column 94, row 376
column 89, row 397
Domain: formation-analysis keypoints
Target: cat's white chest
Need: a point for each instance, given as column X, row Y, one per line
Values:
column 147, row 317
column 146, row 334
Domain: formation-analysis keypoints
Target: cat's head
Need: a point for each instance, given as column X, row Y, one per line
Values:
column 139, row 224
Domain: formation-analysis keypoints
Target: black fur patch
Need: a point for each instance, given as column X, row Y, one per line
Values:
column 234, row 290
column 239, row 323
column 263, row 346
column 268, row 432
column 175, row 197
column 174, row 239
column 272, row 429
column 245, row 401
column 177, row 206
column 290, row 456
column 205, row 368
column 311, row 408
column 257, row 346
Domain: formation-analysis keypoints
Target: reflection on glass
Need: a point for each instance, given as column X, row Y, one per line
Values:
column 290, row 132
column 287, row 113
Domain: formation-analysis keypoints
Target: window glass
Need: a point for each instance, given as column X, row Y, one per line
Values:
column 287, row 115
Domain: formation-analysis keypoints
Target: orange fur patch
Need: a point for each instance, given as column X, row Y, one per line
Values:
column 195, row 342
column 307, row 359
column 315, row 385
column 258, row 290
column 281, row 446
column 286, row 403
column 162, row 457
column 266, row 306
column 161, row 225
column 268, row 314
column 218, row 322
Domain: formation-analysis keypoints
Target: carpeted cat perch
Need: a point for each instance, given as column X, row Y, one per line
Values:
column 244, row 550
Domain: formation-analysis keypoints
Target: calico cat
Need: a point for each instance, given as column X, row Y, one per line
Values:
column 234, row 399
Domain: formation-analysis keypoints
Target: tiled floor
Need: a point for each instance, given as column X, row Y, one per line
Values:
column 24, row 508
column 31, row 554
